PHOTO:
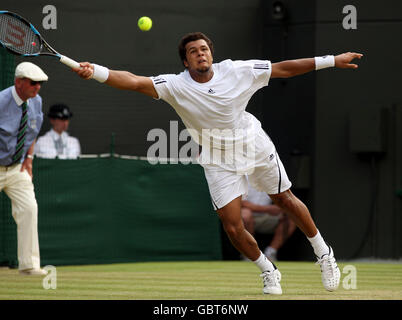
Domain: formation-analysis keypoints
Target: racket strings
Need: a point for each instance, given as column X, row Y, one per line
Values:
column 18, row 36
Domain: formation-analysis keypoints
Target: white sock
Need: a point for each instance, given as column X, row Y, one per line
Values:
column 264, row 264
column 319, row 245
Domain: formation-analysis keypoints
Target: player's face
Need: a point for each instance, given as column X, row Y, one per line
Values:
column 198, row 56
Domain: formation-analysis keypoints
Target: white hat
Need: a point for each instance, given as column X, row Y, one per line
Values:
column 30, row 71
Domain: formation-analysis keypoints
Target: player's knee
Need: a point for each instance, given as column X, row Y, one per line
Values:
column 284, row 200
column 234, row 231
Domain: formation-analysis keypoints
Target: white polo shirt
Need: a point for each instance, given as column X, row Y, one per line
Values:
column 214, row 111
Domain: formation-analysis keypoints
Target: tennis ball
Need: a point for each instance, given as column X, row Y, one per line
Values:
column 145, row 23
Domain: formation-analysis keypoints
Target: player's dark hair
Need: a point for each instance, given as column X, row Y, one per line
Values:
column 193, row 36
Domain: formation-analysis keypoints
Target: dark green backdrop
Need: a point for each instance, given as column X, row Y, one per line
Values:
column 106, row 210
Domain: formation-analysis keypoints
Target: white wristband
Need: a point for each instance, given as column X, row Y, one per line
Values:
column 324, row 62
column 100, row 73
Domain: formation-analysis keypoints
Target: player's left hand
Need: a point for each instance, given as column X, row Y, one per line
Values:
column 343, row 60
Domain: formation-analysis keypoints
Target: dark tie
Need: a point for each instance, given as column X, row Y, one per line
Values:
column 19, row 149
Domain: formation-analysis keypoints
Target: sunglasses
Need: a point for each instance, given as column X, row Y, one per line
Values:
column 34, row 83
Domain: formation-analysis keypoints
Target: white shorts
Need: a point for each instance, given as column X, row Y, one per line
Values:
column 268, row 176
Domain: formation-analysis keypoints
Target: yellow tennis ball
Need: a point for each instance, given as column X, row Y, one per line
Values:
column 145, row 23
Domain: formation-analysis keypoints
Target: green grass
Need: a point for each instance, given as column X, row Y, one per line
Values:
column 215, row 280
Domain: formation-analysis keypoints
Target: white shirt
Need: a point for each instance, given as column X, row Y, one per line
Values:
column 16, row 97
column 215, row 110
column 49, row 146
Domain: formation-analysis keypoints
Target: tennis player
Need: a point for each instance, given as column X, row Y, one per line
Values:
column 211, row 99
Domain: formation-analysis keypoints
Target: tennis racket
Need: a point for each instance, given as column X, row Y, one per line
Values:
column 20, row 37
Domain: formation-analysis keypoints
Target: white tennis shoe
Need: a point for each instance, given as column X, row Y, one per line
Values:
column 271, row 282
column 330, row 272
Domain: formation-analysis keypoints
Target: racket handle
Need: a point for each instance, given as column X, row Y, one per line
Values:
column 69, row 62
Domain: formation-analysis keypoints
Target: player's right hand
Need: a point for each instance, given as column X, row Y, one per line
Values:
column 85, row 71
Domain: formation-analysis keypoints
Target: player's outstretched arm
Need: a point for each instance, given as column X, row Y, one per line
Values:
column 118, row 79
column 291, row 68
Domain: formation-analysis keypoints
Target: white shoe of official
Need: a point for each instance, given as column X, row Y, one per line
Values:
column 33, row 272
column 271, row 282
column 330, row 272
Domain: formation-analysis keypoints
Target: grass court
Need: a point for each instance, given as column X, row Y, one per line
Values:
column 214, row 280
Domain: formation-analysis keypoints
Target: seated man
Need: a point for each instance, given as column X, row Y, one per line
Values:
column 57, row 142
column 261, row 216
